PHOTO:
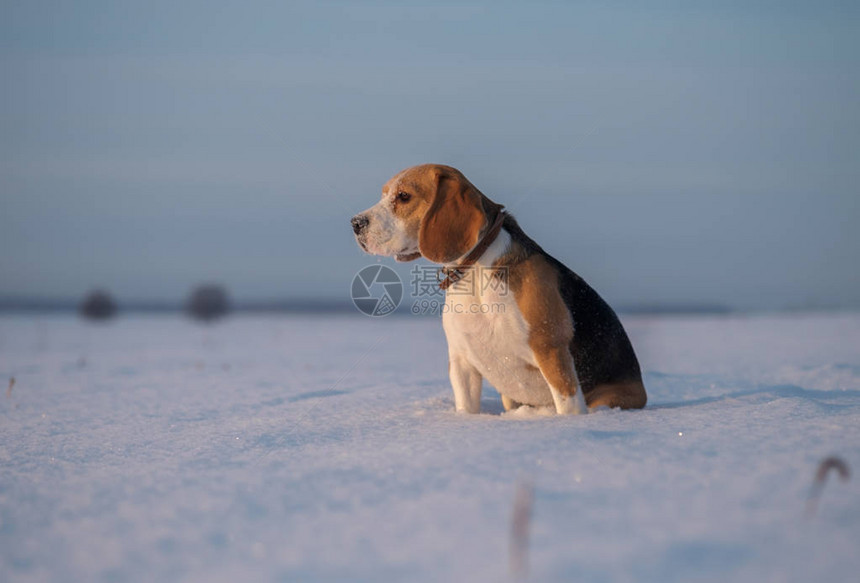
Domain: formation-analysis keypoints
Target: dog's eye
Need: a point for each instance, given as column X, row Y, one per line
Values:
column 403, row 196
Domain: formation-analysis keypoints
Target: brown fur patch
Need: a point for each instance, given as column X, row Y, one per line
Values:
column 446, row 213
column 535, row 286
column 453, row 223
column 625, row 395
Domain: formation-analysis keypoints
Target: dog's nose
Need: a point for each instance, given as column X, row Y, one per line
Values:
column 359, row 222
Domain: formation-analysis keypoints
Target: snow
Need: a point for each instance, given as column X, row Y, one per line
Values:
column 321, row 448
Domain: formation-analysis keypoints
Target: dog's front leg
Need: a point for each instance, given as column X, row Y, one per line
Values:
column 556, row 366
column 466, row 382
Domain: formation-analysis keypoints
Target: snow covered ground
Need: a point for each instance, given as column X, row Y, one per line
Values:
column 320, row 448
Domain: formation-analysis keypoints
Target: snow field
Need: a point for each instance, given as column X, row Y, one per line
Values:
column 320, row 448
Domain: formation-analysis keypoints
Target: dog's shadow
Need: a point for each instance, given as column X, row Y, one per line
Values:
column 832, row 399
column 826, row 399
column 490, row 406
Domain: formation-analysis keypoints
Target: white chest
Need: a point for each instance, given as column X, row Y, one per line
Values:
column 486, row 322
column 484, row 325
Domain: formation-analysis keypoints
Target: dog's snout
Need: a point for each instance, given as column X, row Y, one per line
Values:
column 359, row 222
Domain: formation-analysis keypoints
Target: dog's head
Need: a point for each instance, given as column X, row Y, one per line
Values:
column 430, row 210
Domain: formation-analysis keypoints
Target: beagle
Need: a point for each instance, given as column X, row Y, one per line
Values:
column 549, row 339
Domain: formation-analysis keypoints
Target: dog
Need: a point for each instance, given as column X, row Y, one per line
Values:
column 550, row 339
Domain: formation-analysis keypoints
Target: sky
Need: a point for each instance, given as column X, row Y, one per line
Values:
column 681, row 154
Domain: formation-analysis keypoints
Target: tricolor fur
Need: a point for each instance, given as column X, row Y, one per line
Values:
column 550, row 339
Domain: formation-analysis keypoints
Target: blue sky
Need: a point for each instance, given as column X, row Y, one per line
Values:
column 680, row 153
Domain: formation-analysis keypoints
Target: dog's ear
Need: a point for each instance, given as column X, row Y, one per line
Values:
column 455, row 218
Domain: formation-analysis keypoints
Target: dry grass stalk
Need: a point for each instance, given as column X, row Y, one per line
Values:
column 830, row 463
column 518, row 551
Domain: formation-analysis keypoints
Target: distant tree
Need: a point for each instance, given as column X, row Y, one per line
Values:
column 97, row 305
column 208, row 302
